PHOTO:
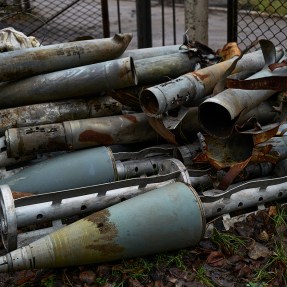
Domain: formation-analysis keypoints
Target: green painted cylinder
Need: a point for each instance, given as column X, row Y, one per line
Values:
column 164, row 219
column 71, row 170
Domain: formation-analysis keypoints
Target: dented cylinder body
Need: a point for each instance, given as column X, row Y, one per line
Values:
column 219, row 114
column 120, row 231
column 56, row 112
column 73, row 135
column 33, row 61
column 191, row 88
column 82, row 168
column 71, row 83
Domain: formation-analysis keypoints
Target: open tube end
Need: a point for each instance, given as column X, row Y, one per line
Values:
column 215, row 119
column 150, row 102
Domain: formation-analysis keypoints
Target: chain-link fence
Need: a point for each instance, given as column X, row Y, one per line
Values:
column 55, row 21
column 259, row 19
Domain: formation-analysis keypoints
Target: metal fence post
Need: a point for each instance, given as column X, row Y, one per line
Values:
column 232, row 20
column 144, row 23
column 196, row 20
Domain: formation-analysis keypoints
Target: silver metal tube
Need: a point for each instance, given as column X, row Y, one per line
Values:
column 56, row 112
column 191, row 88
column 71, row 83
column 138, row 54
column 73, row 135
column 162, row 68
column 33, row 61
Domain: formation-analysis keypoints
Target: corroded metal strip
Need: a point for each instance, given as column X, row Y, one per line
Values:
column 73, row 135
column 244, row 196
column 56, row 112
column 275, row 83
column 33, row 61
column 71, row 83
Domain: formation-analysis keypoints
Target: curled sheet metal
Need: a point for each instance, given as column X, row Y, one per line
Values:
column 33, row 61
column 234, row 152
column 184, row 132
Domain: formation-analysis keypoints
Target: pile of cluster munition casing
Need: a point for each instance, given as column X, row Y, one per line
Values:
column 125, row 153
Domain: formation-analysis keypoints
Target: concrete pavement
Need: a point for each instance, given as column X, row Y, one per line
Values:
column 217, row 30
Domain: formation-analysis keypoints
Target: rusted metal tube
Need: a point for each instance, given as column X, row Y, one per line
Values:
column 71, row 83
column 120, row 231
column 191, row 88
column 33, row 61
column 73, row 135
column 56, row 112
column 144, row 53
column 218, row 115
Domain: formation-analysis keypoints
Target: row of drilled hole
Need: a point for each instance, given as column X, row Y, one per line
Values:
column 240, row 204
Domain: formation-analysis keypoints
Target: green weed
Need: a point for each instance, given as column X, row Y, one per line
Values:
column 228, row 241
column 202, row 277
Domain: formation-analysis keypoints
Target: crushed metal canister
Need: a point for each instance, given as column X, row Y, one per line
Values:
column 135, row 227
column 33, row 61
column 73, row 135
column 218, row 115
column 77, row 82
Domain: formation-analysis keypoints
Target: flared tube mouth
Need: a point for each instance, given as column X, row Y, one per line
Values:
column 215, row 119
column 150, row 103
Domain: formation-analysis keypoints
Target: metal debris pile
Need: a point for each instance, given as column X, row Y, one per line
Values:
column 110, row 154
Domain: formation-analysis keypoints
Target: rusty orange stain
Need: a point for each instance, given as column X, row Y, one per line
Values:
column 108, row 231
column 96, row 137
column 202, row 77
column 130, row 118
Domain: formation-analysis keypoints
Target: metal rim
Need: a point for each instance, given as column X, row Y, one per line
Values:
column 8, row 219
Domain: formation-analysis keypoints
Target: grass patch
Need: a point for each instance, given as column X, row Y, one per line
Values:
column 228, row 242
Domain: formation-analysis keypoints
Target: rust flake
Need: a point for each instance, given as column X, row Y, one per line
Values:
column 202, row 77
column 108, row 233
column 93, row 136
column 131, row 118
